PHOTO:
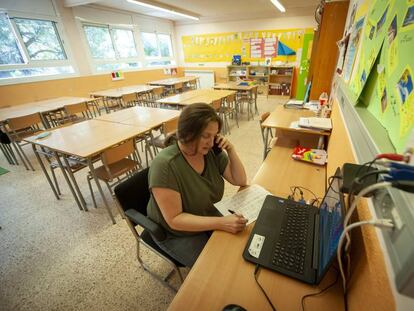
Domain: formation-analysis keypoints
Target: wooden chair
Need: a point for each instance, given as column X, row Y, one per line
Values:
column 167, row 135
column 158, row 93
column 21, row 127
column 130, row 100
column 217, row 106
column 117, row 161
column 263, row 130
column 178, row 87
column 77, row 112
column 229, row 109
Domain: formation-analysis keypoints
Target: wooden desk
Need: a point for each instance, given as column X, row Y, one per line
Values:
column 170, row 82
column 221, row 276
column 234, row 86
column 195, row 96
column 119, row 92
column 146, row 117
column 42, row 106
column 83, row 140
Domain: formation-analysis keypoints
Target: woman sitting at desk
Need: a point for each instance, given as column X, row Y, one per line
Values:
column 186, row 179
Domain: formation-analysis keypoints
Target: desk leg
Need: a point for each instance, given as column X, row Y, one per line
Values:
column 45, row 172
column 75, row 184
column 67, row 179
column 92, row 169
column 267, row 130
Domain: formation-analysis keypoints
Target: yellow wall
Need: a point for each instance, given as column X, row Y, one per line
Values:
column 16, row 94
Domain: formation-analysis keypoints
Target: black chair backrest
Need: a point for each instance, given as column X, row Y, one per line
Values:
column 4, row 139
column 133, row 193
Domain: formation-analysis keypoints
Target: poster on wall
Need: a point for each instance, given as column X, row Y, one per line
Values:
column 253, row 46
column 392, row 101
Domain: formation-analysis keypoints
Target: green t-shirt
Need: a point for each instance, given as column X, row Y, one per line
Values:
column 198, row 192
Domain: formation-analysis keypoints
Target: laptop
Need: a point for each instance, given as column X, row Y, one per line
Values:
column 296, row 239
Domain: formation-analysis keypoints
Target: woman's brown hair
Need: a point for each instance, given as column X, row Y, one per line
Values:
column 193, row 121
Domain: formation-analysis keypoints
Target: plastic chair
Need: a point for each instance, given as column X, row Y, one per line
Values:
column 132, row 196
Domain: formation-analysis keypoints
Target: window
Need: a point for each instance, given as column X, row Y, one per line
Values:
column 31, row 48
column 111, row 48
column 157, row 49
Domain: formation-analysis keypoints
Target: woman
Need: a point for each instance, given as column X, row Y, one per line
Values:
column 186, row 179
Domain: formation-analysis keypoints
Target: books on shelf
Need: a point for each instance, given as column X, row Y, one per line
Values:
column 316, row 123
column 316, row 156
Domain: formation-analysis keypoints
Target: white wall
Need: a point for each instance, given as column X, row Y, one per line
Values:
column 237, row 26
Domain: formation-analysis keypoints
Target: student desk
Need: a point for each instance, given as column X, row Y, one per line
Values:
column 43, row 107
column 221, row 276
column 280, row 120
column 147, row 117
column 171, row 82
column 195, row 96
column 84, row 140
column 119, row 92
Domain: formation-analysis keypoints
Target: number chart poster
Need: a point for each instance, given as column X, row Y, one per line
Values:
column 253, row 46
column 392, row 102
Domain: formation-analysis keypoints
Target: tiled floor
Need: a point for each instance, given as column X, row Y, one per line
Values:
column 55, row 257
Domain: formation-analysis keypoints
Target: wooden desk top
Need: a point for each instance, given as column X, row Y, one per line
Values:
column 234, row 86
column 172, row 81
column 87, row 138
column 282, row 117
column 195, row 96
column 119, row 92
column 144, row 117
column 221, row 276
column 39, row 106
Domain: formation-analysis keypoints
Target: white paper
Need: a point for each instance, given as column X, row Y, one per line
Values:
column 247, row 202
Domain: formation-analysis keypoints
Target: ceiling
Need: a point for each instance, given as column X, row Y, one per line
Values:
column 211, row 10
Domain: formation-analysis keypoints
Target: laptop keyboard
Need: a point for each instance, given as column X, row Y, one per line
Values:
column 290, row 249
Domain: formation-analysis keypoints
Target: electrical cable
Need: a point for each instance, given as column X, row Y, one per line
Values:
column 302, row 301
column 256, row 272
column 301, row 192
column 384, row 223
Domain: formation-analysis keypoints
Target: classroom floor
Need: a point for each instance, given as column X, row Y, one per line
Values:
column 55, row 257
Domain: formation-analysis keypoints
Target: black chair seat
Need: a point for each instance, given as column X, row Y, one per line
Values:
column 147, row 238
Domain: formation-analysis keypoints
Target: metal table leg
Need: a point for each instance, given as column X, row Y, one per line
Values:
column 44, row 171
column 67, row 180
column 92, row 169
column 75, row 184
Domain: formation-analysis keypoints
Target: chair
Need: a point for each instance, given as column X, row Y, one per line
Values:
column 77, row 112
column 217, row 106
column 21, row 127
column 130, row 100
column 229, row 109
column 132, row 196
column 167, row 135
column 266, row 142
column 5, row 146
column 178, row 87
column 117, row 161
column 157, row 93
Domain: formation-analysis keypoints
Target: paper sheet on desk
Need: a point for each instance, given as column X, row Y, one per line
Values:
column 247, row 202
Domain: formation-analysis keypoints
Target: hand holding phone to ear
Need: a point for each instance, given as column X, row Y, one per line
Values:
column 221, row 142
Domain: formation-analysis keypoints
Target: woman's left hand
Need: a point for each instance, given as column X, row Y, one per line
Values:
column 224, row 143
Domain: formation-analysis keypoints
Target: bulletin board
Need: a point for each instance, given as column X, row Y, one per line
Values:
column 385, row 37
column 253, row 46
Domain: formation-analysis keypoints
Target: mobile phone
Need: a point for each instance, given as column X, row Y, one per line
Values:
column 216, row 149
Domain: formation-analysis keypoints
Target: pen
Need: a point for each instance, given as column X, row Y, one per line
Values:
column 231, row 211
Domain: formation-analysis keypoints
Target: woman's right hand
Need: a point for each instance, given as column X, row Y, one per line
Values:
column 233, row 223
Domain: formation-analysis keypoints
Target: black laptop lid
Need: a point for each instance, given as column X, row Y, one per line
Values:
column 331, row 219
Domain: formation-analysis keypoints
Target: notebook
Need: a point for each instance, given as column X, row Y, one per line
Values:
column 316, row 123
column 295, row 239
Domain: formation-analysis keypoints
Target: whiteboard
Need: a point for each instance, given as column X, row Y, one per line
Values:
column 206, row 77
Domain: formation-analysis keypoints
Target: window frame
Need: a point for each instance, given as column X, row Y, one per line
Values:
column 32, row 64
column 95, row 62
column 149, row 59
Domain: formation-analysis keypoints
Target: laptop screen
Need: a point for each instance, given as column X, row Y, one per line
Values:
column 330, row 224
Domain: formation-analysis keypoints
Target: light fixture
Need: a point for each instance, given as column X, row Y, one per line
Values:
column 156, row 7
column 277, row 4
